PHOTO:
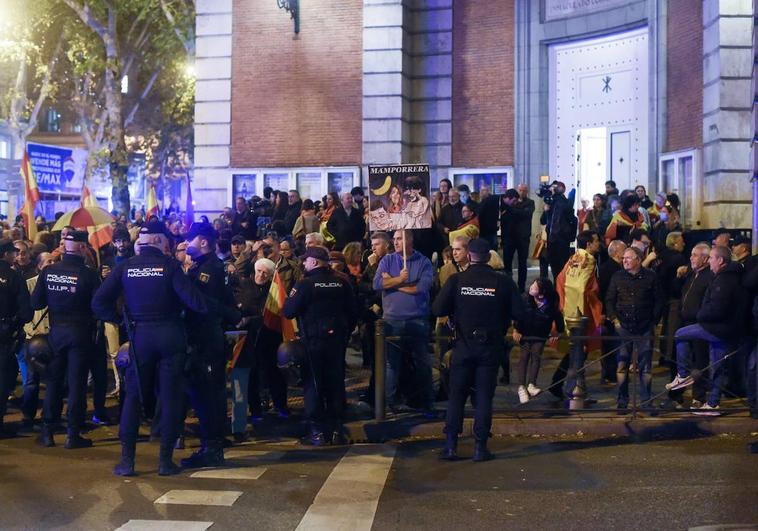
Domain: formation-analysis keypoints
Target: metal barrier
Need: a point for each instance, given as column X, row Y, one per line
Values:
column 575, row 374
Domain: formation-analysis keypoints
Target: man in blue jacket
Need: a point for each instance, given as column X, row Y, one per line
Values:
column 405, row 285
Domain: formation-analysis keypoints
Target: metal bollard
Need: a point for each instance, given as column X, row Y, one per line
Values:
column 379, row 370
column 576, row 325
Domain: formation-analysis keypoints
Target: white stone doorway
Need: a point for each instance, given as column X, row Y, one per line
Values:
column 598, row 112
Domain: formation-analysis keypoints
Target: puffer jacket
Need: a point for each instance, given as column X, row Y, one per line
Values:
column 635, row 300
column 724, row 303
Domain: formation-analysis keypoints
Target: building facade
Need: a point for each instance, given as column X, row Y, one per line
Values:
column 651, row 92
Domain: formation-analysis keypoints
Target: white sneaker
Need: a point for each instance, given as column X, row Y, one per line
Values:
column 533, row 390
column 523, row 394
column 696, row 404
column 679, row 383
column 708, row 411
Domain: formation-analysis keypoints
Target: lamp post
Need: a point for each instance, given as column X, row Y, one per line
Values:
column 293, row 8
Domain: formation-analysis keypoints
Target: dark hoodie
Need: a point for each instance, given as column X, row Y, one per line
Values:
column 722, row 303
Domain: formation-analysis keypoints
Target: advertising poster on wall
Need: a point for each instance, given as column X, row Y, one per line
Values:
column 399, row 197
column 59, row 170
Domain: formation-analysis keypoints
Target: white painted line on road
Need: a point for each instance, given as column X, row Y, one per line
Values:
column 261, row 454
column 164, row 525
column 349, row 497
column 248, row 472
column 224, row 498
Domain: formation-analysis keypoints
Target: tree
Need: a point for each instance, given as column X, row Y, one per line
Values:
column 136, row 41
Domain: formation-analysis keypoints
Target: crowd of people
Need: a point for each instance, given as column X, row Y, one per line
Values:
column 630, row 270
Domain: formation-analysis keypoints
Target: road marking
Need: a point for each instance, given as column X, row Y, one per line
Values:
column 349, row 497
column 224, row 498
column 263, row 455
column 164, row 525
column 247, row 472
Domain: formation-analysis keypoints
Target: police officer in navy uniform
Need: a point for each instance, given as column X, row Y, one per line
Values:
column 325, row 306
column 66, row 289
column 481, row 304
column 207, row 366
column 14, row 312
column 155, row 292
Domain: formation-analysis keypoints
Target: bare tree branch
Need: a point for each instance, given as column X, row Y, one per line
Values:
column 142, row 97
column 87, row 17
column 44, row 90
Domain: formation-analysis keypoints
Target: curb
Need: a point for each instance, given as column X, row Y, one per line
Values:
column 641, row 429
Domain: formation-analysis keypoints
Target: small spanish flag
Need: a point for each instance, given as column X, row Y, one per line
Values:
column 152, row 203
column 88, row 200
column 31, row 196
column 273, row 311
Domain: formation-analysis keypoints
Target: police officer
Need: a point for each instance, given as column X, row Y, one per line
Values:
column 481, row 304
column 155, row 291
column 14, row 312
column 207, row 367
column 66, row 288
column 325, row 306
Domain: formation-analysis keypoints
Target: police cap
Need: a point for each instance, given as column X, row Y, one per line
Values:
column 153, row 227
column 6, row 246
column 479, row 247
column 319, row 253
column 202, row 229
column 76, row 236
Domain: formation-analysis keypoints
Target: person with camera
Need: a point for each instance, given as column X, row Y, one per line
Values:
column 15, row 310
column 325, row 307
column 481, row 303
column 560, row 223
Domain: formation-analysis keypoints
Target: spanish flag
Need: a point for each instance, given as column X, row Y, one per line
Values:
column 273, row 315
column 152, row 203
column 88, row 200
column 31, row 196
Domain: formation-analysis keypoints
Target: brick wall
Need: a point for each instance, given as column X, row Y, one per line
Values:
column 483, row 82
column 296, row 100
column 684, row 74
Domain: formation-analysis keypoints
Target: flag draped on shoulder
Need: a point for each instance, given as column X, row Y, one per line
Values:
column 273, row 312
column 31, row 196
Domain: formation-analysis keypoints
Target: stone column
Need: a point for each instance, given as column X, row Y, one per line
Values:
column 385, row 84
column 213, row 102
column 727, row 112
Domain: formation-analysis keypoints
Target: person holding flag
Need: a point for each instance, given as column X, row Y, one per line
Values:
column 325, row 305
column 31, row 197
column 153, row 208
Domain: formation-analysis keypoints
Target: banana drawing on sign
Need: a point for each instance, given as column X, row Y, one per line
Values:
column 399, row 197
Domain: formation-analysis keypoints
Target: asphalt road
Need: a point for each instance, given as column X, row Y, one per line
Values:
column 533, row 484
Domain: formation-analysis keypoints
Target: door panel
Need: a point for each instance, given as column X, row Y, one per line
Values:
column 621, row 161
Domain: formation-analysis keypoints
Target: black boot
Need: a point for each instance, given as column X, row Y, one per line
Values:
column 210, row 454
column 315, row 437
column 166, row 465
column 74, row 441
column 46, row 436
column 339, row 437
column 450, row 452
column 480, row 451
column 125, row 467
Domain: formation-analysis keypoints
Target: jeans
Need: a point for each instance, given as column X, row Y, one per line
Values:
column 644, row 348
column 240, row 379
column 530, row 358
column 717, row 352
column 30, row 384
column 511, row 246
column 414, row 337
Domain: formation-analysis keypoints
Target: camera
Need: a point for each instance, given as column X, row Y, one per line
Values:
column 545, row 193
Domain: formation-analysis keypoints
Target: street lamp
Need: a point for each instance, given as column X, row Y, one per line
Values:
column 293, row 8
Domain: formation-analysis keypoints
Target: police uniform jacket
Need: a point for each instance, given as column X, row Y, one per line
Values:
column 155, row 289
column 325, row 304
column 211, row 280
column 482, row 303
column 14, row 301
column 66, row 288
